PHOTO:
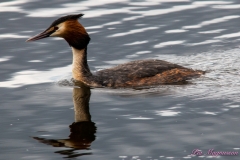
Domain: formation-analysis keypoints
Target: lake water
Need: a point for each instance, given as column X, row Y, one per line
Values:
column 37, row 117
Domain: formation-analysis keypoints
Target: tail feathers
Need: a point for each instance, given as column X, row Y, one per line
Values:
column 173, row 76
column 179, row 75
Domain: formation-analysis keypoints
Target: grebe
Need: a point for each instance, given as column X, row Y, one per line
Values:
column 138, row 73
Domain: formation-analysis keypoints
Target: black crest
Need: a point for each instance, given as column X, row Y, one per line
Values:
column 65, row 18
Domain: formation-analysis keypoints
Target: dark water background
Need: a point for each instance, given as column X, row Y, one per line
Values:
column 167, row 122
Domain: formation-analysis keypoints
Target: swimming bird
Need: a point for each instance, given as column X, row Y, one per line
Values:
column 139, row 73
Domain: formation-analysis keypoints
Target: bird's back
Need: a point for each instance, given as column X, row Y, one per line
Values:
column 145, row 73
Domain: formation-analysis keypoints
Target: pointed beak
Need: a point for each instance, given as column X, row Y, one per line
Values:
column 42, row 35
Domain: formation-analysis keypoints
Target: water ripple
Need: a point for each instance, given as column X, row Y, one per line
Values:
column 212, row 31
column 231, row 35
column 220, row 81
column 235, row 6
column 133, row 31
column 169, row 43
column 213, row 21
column 3, row 36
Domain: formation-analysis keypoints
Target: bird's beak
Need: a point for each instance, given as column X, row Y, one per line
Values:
column 42, row 35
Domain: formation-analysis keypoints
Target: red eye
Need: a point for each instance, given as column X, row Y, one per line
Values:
column 55, row 28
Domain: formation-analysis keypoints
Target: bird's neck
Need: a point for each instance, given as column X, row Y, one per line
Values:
column 80, row 69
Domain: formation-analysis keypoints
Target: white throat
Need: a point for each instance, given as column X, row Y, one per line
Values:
column 80, row 69
column 77, row 56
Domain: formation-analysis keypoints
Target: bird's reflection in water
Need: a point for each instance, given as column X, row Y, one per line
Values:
column 82, row 130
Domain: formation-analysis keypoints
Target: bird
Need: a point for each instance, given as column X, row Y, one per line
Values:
column 138, row 73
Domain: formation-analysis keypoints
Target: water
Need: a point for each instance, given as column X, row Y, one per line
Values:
column 167, row 122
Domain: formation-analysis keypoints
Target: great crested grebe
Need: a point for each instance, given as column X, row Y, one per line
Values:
column 132, row 74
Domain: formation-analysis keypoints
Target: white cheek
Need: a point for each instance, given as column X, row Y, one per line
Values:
column 58, row 32
column 55, row 34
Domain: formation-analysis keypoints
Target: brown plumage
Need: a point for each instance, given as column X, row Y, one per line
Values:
column 133, row 74
column 74, row 28
column 145, row 73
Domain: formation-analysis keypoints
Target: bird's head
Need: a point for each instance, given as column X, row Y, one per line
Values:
column 68, row 28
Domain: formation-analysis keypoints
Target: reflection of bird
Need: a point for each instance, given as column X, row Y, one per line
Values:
column 83, row 129
column 133, row 74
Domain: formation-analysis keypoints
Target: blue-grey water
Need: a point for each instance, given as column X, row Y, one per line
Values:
column 162, row 123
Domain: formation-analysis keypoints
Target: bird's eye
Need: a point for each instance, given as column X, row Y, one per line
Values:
column 55, row 28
